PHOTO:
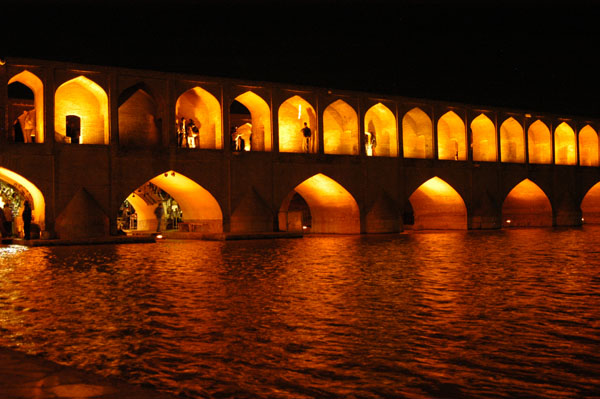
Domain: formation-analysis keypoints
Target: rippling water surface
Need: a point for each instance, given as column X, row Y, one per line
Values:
column 500, row 314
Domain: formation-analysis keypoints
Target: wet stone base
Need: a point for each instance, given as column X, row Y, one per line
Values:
column 23, row 377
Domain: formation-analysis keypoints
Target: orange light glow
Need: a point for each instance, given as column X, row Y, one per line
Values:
column 196, row 203
column 451, row 137
column 204, row 109
column 261, row 121
column 87, row 100
column 590, row 206
column 380, row 122
column 340, row 129
column 39, row 204
column 526, row 205
column 290, row 135
column 437, row 205
column 512, row 139
column 540, row 143
column 417, row 133
column 37, row 87
column 484, row 139
column 565, row 148
column 333, row 208
column 588, row 146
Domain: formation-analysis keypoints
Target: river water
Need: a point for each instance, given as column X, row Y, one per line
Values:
column 495, row 314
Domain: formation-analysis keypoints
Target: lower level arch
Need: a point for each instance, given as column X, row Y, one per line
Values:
column 437, row 206
column 332, row 208
column 526, row 205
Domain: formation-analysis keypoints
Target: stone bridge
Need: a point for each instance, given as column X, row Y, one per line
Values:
column 90, row 146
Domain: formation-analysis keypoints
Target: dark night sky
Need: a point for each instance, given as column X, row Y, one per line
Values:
column 516, row 56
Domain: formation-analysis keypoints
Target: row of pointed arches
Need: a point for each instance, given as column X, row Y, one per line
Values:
column 318, row 204
column 81, row 115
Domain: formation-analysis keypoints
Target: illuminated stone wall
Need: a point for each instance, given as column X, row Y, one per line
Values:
column 451, row 137
column 83, row 98
column 540, row 143
column 417, row 134
column 484, row 139
column 512, row 139
column 293, row 113
column 340, row 129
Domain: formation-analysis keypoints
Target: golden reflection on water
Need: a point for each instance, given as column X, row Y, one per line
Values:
column 441, row 314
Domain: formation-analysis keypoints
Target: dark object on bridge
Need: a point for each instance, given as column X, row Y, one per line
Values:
column 27, row 221
column 73, row 128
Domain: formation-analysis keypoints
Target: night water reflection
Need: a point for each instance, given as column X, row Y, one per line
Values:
column 511, row 313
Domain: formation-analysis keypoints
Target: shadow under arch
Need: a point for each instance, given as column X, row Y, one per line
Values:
column 139, row 117
column 526, row 205
column 198, row 206
column 37, row 87
column 31, row 192
column 438, row 206
column 332, row 208
column 590, row 205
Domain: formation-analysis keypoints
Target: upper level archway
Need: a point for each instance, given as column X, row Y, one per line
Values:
column 588, row 146
column 484, row 139
column 82, row 98
column 35, row 116
column 139, row 120
column 451, row 137
column 333, row 209
column 565, row 145
column 204, row 110
column 526, row 205
column 539, row 141
column 512, row 141
column 381, row 132
column 340, row 129
column 438, row 206
column 260, row 137
column 32, row 193
column 293, row 114
column 417, row 134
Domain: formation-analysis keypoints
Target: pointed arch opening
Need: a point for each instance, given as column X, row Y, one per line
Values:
column 512, row 141
column 451, row 137
column 254, row 115
column 293, row 114
column 417, row 134
column 565, row 145
column 588, row 146
column 183, row 205
column 331, row 208
column 26, row 107
column 437, row 206
column 526, row 205
column 86, row 100
column 381, row 132
column 484, row 139
column 340, row 129
column 198, row 116
column 539, row 141
column 15, row 191
column 139, row 120
column 590, row 206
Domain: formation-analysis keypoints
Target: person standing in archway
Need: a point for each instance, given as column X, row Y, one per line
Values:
column 158, row 212
column 307, row 133
column 27, row 217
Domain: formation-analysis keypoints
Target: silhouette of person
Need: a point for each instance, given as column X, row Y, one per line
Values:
column 158, row 212
column 306, row 132
column 27, row 217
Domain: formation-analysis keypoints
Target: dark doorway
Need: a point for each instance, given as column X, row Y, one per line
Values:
column 74, row 128
column 299, row 204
